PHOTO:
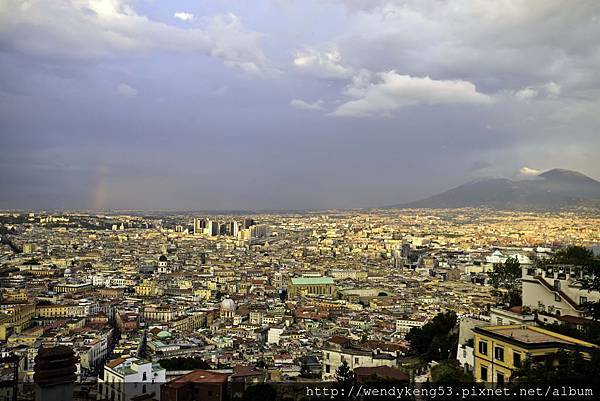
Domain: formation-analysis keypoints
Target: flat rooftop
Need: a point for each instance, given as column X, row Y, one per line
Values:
column 312, row 280
column 532, row 335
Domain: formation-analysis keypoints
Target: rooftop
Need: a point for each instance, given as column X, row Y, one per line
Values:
column 199, row 376
column 312, row 280
column 530, row 335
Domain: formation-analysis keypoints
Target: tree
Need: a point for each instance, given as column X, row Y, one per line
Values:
column 507, row 276
column 450, row 373
column 564, row 367
column 344, row 376
column 588, row 332
column 260, row 392
column 435, row 340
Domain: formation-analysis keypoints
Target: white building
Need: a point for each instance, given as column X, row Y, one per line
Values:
column 340, row 349
column 514, row 315
column 404, row 325
column 125, row 378
column 274, row 335
column 498, row 257
column 556, row 290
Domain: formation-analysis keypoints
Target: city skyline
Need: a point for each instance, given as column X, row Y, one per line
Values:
column 283, row 105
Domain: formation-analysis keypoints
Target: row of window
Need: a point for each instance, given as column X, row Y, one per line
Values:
column 484, row 375
column 499, row 353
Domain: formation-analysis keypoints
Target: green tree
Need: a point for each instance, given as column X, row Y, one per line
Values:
column 344, row 376
column 449, row 372
column 260, row 392
column 435, row 340
column 589, row 332
column 506, row 278
column 564, row 367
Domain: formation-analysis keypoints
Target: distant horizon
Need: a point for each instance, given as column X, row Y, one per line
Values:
column 288, row 210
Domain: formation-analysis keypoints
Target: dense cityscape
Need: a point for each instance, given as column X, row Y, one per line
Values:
column 163, row 299
column 299, row 200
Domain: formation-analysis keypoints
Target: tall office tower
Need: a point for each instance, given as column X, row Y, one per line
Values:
column 258, row 231
column 234, row 228
column 406, row 251
column 199, row 225
column 397, row 258
column 249, row 223
column 212, row 228
column 223, row 228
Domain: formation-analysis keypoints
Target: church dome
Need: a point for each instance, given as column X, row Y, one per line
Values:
column 228, row 305
column 162, row 258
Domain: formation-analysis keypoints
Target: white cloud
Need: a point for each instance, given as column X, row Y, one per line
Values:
column 550, row 90
column 92, row 30
column 526, row 94
column 496, row 43
column 126, row 90
column 184, row 16
column 303, row 105
column 529, row 172
column 383, row 93
column 322, row 64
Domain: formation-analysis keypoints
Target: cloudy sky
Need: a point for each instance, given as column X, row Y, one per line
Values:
column 285, row 104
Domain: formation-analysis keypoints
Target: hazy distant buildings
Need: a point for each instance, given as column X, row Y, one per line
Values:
column 199, row 226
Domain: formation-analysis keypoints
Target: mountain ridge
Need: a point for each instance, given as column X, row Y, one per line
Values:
column 550, row 190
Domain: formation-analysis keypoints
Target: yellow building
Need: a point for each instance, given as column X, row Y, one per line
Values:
column 146, row 289
column 189, row 323
column 500, row 350
column 10, row 296
column 302, row 286
column 71, row 288
column 15, row 320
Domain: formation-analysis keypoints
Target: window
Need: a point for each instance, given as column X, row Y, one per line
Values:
column 144, row 376
column 557, row 285
column 499, row 353
column 499, row 321
column 483, row 373
column 557, row 297
column 210, row 393
column 356, row 360
column 483, row 347
column 327, row 369
column 499, row 378
column 582, row 300
column 516, row 359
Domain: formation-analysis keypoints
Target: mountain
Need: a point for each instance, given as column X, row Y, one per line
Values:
column 550, row 190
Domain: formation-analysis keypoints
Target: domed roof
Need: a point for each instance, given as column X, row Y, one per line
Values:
column 68, row 271
column 163, row 334
column 162, row 258
column 228, row 304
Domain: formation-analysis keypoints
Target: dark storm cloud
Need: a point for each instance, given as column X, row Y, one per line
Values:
column 382, row 102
